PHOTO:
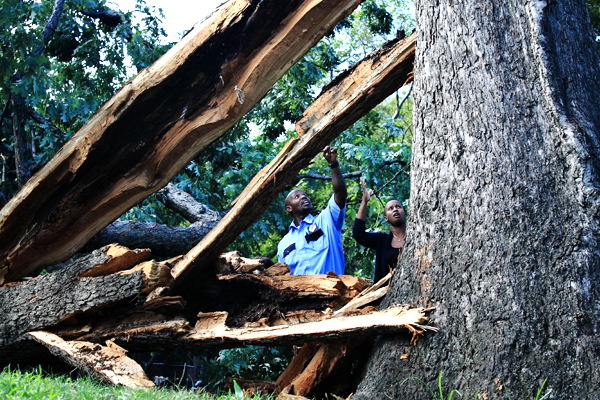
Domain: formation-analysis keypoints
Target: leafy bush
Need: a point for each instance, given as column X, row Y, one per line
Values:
column 252, row 362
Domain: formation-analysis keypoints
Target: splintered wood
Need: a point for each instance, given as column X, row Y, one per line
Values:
column 218, row 335
column 154, row 125
column 109, row 363
column 112, row 296
column 350, row 96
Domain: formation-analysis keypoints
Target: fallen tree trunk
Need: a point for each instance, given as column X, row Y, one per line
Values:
column 259, row 302
column 88, row 285
column 345, row 100
column 156, row 124
column 162, row 240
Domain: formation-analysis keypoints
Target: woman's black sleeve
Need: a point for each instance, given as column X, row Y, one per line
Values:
column 363, row 237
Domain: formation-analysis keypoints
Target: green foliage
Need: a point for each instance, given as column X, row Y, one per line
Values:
column 594, row 11
column 16, row 384
column 252, row 362
column 82, row 66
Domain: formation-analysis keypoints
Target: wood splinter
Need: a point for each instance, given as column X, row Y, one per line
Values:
column 108, row 363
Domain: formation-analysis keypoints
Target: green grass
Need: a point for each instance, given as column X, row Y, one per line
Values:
column 434, row 396
column 16, row 384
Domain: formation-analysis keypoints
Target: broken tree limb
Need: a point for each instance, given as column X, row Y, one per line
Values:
column 185, row 205
column 216, row 333
column 298, row 364
column 211, row 331
column 345, row 100
column 147, row 132
column 44, row 301
column 108, row 363
column 299, row 177
column 163, row 240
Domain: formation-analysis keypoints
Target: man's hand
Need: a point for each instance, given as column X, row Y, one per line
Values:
column 330, row 154
column 337, row 180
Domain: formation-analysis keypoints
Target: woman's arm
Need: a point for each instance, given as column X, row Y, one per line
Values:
column 367, row 239
column 362, row 210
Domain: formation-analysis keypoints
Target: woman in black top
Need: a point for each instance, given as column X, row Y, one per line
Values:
column 388, row 246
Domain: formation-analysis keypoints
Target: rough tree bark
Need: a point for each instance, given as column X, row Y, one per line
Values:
column 503, row 231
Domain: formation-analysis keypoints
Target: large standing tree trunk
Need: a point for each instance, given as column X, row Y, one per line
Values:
column 503, row 232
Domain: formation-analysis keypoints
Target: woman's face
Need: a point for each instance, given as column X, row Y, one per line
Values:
column 394, row 213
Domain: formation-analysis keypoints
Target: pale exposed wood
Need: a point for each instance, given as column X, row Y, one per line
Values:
column 121, row 258
column 291, row 318
column 156, row 274
column 348, row 98
column 298, row 364
column 342, row 288
column 367, row 296
column 140, row 332
column 108, row 363
column 391, row 320
column 319, row 368
column 233, row 262
column 363, row 301
column 156, row 124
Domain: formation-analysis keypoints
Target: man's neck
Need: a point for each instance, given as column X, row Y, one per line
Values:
column 299, row 218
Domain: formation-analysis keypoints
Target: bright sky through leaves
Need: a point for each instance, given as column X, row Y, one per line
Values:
column 180, row 15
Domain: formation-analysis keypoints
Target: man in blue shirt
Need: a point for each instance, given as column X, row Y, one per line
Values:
column 313, row 245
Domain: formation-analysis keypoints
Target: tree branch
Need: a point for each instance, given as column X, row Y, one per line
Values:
column 39, row 118
column 185, row 205
column 391, row 162
column 399, row 106
column 163, row 240
column 50, row 25
column 299, row 177
column 106, row 16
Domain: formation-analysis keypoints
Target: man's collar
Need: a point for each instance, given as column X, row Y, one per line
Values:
column 308, row 219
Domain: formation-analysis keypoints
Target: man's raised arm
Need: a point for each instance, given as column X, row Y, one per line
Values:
column 337, row 180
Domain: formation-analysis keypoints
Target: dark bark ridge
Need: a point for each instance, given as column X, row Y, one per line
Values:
column 503, row 231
